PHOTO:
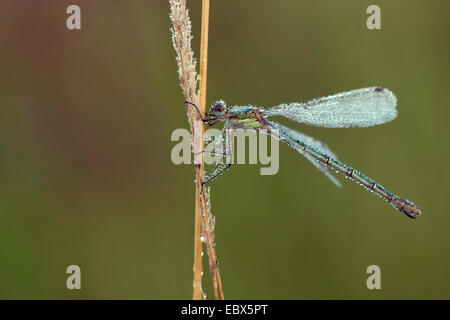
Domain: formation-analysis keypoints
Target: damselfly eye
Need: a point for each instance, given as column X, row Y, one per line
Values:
column 218, row 108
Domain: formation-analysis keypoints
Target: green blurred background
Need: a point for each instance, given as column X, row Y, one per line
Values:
column 86, row 176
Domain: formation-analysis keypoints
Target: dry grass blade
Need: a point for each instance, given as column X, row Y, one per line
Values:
column 181, row 37
column 209, row 222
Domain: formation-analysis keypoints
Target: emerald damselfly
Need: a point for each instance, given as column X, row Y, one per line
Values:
column 357, row 108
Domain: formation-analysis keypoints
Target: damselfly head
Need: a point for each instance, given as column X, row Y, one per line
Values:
column 218, row 109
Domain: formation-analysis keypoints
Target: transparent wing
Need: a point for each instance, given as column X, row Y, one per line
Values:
column 290, row 136
column 357, row 108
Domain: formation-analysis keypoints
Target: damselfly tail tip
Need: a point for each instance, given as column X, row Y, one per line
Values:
column 407, row 207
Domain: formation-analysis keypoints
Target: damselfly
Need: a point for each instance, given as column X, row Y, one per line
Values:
column 357, row 108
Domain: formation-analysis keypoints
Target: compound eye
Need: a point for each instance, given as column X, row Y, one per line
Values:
column 218, row 108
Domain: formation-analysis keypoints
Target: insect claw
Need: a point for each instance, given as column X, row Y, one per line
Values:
column 201, row 190
column 200, row 152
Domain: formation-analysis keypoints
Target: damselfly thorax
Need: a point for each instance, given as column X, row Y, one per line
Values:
column 242, row 117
